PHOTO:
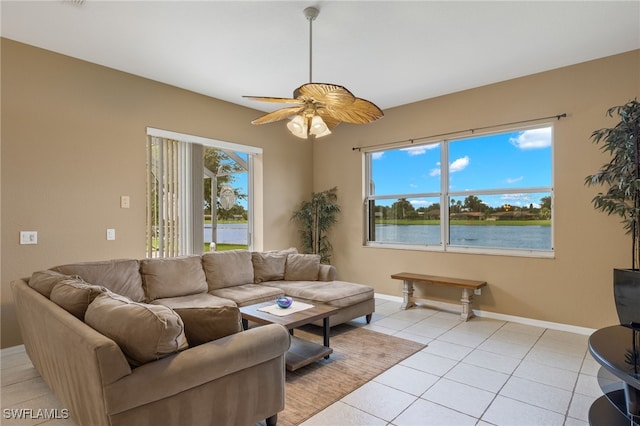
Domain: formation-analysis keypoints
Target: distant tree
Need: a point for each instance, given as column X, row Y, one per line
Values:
column 545, row 202
column 474, row 204
column 402, row 209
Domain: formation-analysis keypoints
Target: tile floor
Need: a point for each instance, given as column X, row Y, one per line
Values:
column 481, row 372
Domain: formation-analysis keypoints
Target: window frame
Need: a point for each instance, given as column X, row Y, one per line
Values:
column 251, row 151
column 445, row 194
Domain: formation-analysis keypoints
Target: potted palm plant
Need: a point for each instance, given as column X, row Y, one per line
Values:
column 314, row 219
column 621, row 179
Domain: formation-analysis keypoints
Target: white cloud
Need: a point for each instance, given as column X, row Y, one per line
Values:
column 514, row 180
column 459, row 164
column 419, row 150
column 420, row 203
column 377, row 155
column 533, row 139
column 434, row 172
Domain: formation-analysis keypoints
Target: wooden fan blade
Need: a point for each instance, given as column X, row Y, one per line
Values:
column 328, row 119
column 277, row 100
column 360, row 111
column 278, row 115
column 325, row 94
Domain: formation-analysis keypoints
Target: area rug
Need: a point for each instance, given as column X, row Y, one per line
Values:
column 358, row 356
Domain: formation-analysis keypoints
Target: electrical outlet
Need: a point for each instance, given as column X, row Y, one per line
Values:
column 111, row 234
column 477, row 291
column 28, row 237
column 125, row 202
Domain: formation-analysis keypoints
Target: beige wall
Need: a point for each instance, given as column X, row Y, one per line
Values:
column 73, row 141
column 73, row 137
column 574, row 287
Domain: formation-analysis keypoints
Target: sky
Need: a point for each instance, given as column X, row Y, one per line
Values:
column 505, row 161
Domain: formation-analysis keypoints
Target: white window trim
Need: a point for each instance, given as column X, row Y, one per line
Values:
column 445, row 194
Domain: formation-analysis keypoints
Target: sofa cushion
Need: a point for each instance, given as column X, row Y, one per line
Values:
column 249, row 294
column 339, row 294
column 172, row 277
column 122, row 276
column 44, row 281
column 143, row 331
column 74, row 296
column 202, row 325
column 201, row 300
column 227, row 268
column 268, row 266
column 302, row 267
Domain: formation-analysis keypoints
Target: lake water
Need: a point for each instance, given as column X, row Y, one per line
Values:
column 522, row 237
column 228, row 233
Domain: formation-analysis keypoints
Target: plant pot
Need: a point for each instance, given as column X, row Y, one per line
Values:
column 626, row 292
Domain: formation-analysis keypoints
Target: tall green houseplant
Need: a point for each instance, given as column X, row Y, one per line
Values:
column 621, row 178
column 314, row 218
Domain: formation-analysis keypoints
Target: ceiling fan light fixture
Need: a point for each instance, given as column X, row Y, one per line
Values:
column 318, row 127
column 298, row 127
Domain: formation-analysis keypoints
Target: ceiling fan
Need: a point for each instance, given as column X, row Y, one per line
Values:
column 319, row 107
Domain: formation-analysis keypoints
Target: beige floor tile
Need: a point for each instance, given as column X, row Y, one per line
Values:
column 460, row 397
column 426, row 413
column 579, row 407
column 406, row 379
column 509, row 412
column 563, row 379
column 538, row 394
column 447, row 350
column 555, row 359
column 492, row 361
column 379, row 400
column 465, row 338
column 505, row 348
column 478, row 377
column 344, row 415
column 429, row 363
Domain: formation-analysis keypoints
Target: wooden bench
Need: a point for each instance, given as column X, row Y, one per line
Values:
column 409, row 279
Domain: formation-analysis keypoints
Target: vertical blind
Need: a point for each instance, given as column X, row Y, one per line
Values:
column 169, row 195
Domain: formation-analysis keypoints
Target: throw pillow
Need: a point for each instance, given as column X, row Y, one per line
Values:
column 74, row 296
column 144, row 332
column 227, row 268
column 122, row 276
column 268, row 266
column 202, row 325
column 172, row 277
column 302, row 267
column 44, row 281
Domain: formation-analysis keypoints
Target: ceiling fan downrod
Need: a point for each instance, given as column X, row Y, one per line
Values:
column 311, row 13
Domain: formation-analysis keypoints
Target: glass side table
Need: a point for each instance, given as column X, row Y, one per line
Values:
column 617, row 349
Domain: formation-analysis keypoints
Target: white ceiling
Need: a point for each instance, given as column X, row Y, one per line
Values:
column 389, row 52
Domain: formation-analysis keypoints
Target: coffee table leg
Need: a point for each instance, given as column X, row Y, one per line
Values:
column 245, row 324
column 325, row 331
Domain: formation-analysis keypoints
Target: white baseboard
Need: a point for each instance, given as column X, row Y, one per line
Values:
column 452, row 307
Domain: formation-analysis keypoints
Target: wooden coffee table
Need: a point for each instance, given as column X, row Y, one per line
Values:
column 301, row 352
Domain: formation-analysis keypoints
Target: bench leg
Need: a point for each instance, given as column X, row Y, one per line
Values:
column 407, row 293
column 466, row 300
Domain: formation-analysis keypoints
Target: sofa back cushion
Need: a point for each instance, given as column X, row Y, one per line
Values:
column 269, row 265
column 202, row 325
column 302, row 267
column 44, row 281
column 172, row 277
column 144, row 332
column 74, row 296
column 227, row 268
column 122, row 276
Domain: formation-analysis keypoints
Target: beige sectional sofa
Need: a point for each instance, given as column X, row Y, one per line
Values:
column 159, row 341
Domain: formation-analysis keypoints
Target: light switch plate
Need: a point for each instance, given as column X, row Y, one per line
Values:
column 28, row 237
column 125, row 202
column 111, row 234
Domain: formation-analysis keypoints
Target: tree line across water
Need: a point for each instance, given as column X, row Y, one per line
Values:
column 472, row 208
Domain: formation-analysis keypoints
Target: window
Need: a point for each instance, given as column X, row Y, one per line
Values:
column 199, row 194
column 486, row 193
